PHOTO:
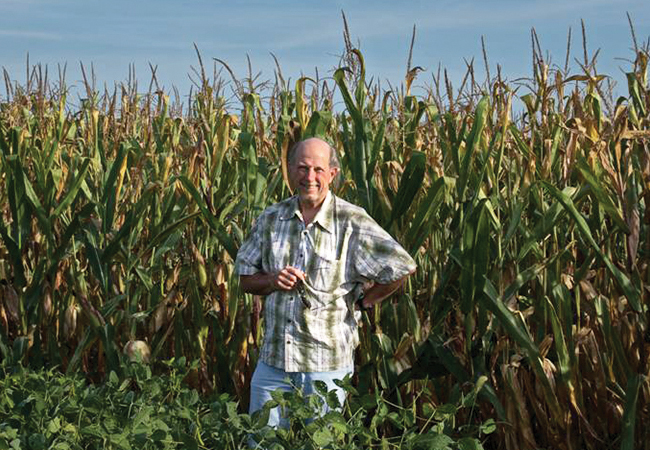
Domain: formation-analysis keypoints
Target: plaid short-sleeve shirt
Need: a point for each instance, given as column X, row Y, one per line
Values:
column 342, row 248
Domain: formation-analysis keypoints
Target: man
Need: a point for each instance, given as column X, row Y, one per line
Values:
column 311, row 255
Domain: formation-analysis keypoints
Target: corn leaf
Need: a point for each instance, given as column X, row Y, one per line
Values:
column 74, row 188
column 630, row 411
column 409, row 185
column 623, row 281
column 224, row 238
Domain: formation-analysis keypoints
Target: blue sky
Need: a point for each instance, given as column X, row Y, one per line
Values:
column 307, row 34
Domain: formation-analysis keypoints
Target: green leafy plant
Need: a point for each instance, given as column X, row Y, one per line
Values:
column 49, row 410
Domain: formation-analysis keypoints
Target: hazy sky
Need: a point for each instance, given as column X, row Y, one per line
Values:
column 307, row 34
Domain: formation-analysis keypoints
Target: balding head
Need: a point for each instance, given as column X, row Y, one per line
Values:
column 333, row 158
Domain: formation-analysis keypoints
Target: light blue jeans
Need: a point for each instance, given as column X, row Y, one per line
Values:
column 267, row 379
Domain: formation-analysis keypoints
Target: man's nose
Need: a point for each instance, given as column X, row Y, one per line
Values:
column 311, row 174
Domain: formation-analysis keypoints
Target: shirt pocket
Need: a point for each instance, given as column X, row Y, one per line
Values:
column 324, row 274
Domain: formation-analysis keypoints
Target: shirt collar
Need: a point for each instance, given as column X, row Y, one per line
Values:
column 324, row 217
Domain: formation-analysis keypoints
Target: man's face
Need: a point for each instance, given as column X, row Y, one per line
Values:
column 310, row 172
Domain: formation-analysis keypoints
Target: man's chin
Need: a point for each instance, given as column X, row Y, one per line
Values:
column 308, row 198
column 308, row 194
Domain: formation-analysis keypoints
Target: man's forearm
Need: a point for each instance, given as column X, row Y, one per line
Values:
column 260, row 283
column 263, row 283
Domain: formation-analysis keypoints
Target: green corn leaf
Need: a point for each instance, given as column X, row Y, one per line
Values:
column 630, row 411
column 224, row 238
column 425, row 218
column 20, row 212
column 109, row 196
column 4, row 144
column 359, row 157
column 450, row 361
column 550, row 218
column 15, row 257
column 490, row 394
column 144, row 277
column 563, row 358
column 255, row 172
column 612, row 336
column 59, row 253
column 164, row 234
column 409, row 185
column 519, row 140
column 480, row 119
column 515, row 220
column 339, row 77
column 360, row 92
column 604, row 200
column 416, row 110
column 34, row 291
column 33, row 200
column 74, row 188
column 520, row 335
column 220, row 149
column 481, row 247
column 492, row 301
column 93, row 259
column 5, row 347
column 247, row 147
column 593, row 99
column 114, row 245
column 543, row 227
column 261, row 178
column 522, row 278
column 475, row 257
column 87, row 340
column 450, row 145
column 623, row 281
column 19, row 349
column 564, row 303
column 318, row 124
column 634, row 90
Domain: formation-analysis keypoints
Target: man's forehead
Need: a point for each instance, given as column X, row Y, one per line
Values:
column 312, row 161
column 313, row 154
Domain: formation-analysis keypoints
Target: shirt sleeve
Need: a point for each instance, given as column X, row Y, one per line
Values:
column 249, row 256
column 381, row 258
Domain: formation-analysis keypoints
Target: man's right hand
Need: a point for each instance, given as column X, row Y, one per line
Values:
column 263, row 283
column 288, row 278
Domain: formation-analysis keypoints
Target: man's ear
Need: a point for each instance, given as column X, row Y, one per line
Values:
column 335, row 181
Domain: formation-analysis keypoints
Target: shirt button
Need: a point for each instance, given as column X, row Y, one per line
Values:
column 288, row 342
column 288, row 320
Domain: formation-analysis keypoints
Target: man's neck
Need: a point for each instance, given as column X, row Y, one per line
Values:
column 309, row 211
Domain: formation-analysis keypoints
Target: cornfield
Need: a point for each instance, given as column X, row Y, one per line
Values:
column 122, row 215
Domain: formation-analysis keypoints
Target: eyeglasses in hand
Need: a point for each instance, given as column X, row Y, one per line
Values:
column 303, row 295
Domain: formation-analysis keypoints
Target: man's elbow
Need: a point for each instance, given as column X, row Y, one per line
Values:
column 402, row 280
column 246, row 283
